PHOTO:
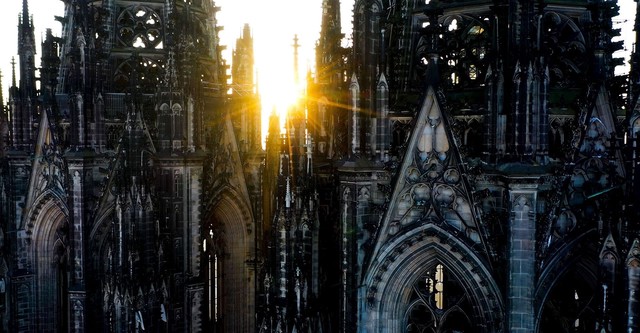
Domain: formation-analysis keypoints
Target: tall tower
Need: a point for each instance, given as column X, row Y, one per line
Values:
column 326, row 89
column 247, row 117
column 291, row 278
column 23, row 99
column 125, row 199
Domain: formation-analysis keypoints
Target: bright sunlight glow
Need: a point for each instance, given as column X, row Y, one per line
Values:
column 274, row 24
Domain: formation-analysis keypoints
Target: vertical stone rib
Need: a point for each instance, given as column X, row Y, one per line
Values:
column 633, row 278
column 521, row 254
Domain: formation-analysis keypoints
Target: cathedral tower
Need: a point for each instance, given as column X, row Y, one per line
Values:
column 125, row 183
column 459, row 167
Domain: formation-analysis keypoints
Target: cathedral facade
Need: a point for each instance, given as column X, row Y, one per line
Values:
column 114, row 204
column 459, row 166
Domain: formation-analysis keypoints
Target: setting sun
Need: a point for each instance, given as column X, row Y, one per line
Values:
column 281, row 85
column 292, row 166
column 274, row 25
column 273, row 37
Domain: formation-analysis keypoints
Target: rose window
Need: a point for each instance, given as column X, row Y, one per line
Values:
column 140, row 27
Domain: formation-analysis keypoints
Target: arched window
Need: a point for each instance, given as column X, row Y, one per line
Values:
column 140, row 27
column 61, row 283
column 439, row 304
column 212, row 274
column 464, row 51
column 572, row 303
column 147, row 74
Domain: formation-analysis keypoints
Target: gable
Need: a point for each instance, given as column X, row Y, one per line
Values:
column 431, row 187
column 48, row 169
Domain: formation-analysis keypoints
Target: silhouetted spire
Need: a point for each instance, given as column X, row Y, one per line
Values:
column 26, row 53
column 634, row 72
column 1, row 94
column 25, row 8
column 329, row 49
column 330, row 25
column 296, row 46
column 13, row 72
column 243, row 61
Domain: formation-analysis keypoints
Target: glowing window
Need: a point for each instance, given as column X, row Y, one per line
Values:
column 476, row 30
column 473, row 72
column 453, row 25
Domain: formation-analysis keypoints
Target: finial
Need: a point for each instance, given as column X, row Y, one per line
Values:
column 25, row 12
column 296, row 46
column 1, row 95
column 287, row 197
column 13, row 71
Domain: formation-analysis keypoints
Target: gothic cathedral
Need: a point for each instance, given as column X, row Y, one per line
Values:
column 457, row 166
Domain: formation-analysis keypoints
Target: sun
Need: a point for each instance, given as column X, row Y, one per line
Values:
column 279, row 96
column 273, row 33
column 276, row 79
column 279, row 76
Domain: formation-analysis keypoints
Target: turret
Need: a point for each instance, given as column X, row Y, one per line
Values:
column 327, row 116
column 27, row 53
column 247, row 114
column 23, row 99
column 634, row 71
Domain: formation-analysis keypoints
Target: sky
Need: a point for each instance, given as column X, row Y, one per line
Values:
column 273, row 24
column 273, row 36
column 43, row 12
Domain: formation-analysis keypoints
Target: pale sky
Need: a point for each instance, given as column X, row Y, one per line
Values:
column 43, row 12
column 274, row 24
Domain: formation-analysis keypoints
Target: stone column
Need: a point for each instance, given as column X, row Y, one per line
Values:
column 192, row 194
column 633, row 280
column 23, row 318
column 521, row 258
column 194, row 297
column 77, row 288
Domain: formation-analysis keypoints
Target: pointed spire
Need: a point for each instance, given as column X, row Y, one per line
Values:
column 309, row 147
column 633, row 258
column 26, row 54
column 634, row 71
column 25, row 13
column 1, row 94
column 609, row 247
column 287, row 197
column 329, row 48
column 296, row 46
column 330, row 26
column 274, row 125
column 433, row 31
column 13, row 72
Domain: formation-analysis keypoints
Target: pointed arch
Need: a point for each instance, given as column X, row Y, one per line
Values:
column 98, row 236
column 403, row 261
column 231, row 219
column 572, row 269
column 49, row 258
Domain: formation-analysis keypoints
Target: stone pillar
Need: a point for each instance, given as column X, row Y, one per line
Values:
column 23, row 289
column 356, row 119
column 633, row 280
column 77, row 305
column 77, row 288
column 521, row 259
column 194, row 297
column 192, row 195
column 346, row 223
